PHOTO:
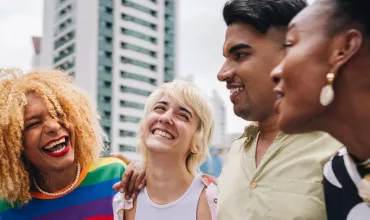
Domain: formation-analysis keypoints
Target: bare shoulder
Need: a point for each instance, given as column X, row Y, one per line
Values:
column 203, row 211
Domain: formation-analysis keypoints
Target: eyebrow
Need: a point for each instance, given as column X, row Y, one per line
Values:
column 237, row 47
column 291, row 26
column 33, row 117
column 180, row 108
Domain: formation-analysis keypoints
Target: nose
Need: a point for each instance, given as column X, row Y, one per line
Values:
column 166, row 118
column 276, row 73
column 226, row 72
column 51, row 126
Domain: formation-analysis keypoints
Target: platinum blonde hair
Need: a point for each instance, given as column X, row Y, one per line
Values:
column 183, row 92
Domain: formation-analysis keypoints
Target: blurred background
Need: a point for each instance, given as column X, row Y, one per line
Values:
column 119, row 51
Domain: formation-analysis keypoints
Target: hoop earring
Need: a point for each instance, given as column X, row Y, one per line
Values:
column 327, row 92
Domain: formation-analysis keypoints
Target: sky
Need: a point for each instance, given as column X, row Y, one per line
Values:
column 201, row 32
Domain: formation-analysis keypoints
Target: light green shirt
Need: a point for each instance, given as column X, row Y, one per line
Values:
column 286, row 185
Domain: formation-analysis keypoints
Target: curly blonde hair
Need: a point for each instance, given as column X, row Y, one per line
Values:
column 184, row 92
column 63, row 100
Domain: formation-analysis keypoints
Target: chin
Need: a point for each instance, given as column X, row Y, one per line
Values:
column 290, row 125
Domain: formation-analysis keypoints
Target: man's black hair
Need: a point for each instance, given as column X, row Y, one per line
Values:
column 262, row 14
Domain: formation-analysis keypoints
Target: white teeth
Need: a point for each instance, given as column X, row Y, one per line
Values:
column 237, row 89
column 60, row 150
column 163, row 134
column 51, row 145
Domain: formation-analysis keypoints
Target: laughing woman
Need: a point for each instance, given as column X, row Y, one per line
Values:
column 50, row 143
column 324, row 84
column 174, row 136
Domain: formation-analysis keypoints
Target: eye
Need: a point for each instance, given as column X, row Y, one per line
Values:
column 184, row 116
column 31, row 125
column 287, row 45
column 241, row 55
column 159, row 107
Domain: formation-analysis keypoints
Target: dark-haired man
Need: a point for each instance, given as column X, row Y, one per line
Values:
column 267, row 174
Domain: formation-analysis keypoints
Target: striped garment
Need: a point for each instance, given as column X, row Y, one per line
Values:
column 90, row 200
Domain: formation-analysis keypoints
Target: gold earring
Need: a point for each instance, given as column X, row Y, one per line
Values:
column 327, row 92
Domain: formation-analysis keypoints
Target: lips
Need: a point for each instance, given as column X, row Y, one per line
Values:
column 279, row 97
column 58, row 147
column 235, row 89
column 163, row 133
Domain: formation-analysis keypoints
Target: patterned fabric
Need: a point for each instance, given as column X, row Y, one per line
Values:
column 90, row 200
column 342, row 179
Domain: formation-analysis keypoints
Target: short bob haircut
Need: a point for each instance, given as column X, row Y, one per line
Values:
column 64, row 102
column 184, row 92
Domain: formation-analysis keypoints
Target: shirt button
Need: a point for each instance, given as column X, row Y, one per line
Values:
column 254, row 185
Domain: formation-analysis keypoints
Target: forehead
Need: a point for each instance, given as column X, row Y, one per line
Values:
column 177, row 103
column 312, row 17
column 238, row 32
column 34, row 102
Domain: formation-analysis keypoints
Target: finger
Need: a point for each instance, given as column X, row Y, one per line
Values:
column 143, row 183
column 126, row 178
column 139, row 180
column 121, row 157
column 131, row 188
column 117, row 186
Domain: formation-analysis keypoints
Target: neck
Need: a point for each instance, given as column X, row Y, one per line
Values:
column 349, row 116
column 268, row 129
column 52, row 181
column 167, row 178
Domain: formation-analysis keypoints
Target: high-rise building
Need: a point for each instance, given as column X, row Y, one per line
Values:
column 119, row 51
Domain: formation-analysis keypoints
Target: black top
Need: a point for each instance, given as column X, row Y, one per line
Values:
column 342, row 177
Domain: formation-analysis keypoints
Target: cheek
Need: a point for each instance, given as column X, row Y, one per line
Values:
column 31, row 140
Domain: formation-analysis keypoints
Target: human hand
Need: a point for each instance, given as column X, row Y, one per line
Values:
column 133, row 179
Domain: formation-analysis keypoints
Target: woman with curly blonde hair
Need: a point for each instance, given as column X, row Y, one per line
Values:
column 50, row 143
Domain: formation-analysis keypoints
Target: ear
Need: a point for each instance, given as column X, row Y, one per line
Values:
column 345, row 46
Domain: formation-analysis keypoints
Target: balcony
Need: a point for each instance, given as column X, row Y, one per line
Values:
column 104, row 107
column 71, row 50
column 67, row 38
column 105, row 61
column 108, row 3
column 105, row 31
column 105, row 76
column 105, row 122
column 106, row 17
column 103, row 45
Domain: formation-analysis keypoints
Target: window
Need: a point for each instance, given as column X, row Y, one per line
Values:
column 139, row 35
column 139, row 7
column 128, row 75
column 106, row 115
column 125, row 118
column 138, row 49
column 123, row 147
column 145, row 65
column 132, row 105
column 139, row 21
column 124, row 133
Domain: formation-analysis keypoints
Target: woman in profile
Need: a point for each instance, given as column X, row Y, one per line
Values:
column 324, row 84
column 175, row 133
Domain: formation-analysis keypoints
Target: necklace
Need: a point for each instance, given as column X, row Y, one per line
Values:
column 64, row 191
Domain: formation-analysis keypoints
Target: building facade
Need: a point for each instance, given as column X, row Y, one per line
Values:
column 119, row 51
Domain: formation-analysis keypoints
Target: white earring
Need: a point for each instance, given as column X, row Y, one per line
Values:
column 327, row 92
